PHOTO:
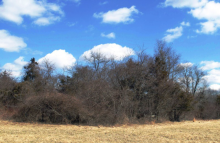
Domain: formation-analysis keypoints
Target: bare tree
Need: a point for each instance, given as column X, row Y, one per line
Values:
column 191, row 78
column 97, row 60
column 48, row 78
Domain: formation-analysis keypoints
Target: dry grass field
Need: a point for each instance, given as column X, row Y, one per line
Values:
column 199, row 131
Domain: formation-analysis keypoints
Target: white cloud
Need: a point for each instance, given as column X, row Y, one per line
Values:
column 209, row 27
column 43, row 21
column 208, row 12
column 213, row 73
column 215, row 87
column 110, row 35
column 11, row 43
column 175, row 33
column 201, row 10
column 53, row 7
column 211, row 13
column 109, row 51
column 186, row 64
column 15, row 67
column 185, row 3
column 185, row 23
column 60, row 58
column 209, row 65
column 122, row 15
column 213, row 76
column 15, row 10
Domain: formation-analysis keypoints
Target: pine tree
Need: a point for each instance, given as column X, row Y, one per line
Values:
column 31, row 70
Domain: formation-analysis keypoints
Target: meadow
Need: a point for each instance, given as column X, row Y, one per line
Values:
column 187, row 131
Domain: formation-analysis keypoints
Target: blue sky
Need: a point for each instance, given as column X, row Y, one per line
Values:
column 65, row 31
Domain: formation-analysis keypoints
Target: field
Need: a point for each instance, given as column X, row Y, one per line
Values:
column 199, row 131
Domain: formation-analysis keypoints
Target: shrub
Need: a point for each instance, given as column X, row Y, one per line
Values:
column 48, row 108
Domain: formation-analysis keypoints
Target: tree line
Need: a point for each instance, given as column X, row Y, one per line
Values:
column 104, row 91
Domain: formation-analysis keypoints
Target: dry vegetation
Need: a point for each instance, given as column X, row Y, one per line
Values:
column 110, row 93
column 189, row 131
column 107, row 92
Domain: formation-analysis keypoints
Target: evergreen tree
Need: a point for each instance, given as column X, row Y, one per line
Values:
column 31, row 70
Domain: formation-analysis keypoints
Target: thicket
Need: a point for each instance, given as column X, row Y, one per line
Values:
column 105, row 91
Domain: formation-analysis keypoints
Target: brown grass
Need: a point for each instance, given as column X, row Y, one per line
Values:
column 189, row 131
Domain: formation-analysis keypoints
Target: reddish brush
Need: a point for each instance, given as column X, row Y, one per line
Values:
column 153, row 122
column 194, row 119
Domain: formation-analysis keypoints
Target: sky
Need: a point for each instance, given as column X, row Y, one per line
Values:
column 68, row 31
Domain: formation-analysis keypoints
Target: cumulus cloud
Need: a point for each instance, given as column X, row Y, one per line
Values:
column 215, row 87
column 15, row 10
column 11, row 43
column 122, row 15
column 209, row 27
column 211, row 13
column 15, row 67
column 209, row 65
column 202, row 10
column 185, row 3
column 109, row 51
column 110, row 35
column 172, row 34
column 213, row 73
column 213, row 76
column 60, row 58
column 212, row 69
